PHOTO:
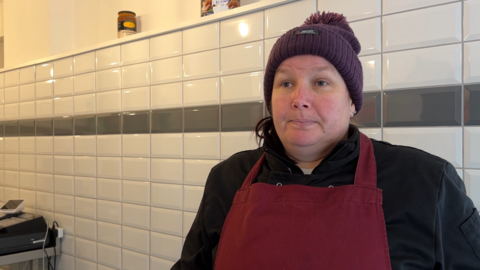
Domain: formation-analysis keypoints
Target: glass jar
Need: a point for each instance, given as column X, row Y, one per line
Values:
column 127, row 23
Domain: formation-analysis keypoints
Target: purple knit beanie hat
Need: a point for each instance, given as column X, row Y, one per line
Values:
column 327, row 35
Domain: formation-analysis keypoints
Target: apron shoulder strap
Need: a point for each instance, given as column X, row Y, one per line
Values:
column 253, row 172
column 366, row 174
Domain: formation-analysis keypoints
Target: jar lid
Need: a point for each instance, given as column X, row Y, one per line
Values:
column 126, row 11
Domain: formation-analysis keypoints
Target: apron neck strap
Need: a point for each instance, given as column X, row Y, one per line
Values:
column 366, row 174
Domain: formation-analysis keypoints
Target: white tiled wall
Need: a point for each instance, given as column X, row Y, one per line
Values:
column 126, row 201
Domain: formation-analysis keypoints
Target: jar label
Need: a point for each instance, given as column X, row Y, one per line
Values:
column 127, row 25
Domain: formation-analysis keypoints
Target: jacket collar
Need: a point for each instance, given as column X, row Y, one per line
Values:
column 344, row 152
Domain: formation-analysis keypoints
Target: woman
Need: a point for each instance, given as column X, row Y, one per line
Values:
column 321, row 195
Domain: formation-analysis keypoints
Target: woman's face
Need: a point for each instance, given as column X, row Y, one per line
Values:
column 311, row 106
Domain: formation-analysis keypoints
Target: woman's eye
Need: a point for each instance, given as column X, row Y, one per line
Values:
column 286, row 84
column 321, row 83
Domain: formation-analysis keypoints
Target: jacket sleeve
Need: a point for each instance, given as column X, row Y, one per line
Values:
column 457, row 225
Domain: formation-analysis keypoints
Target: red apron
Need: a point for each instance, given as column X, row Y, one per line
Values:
column 304, row 227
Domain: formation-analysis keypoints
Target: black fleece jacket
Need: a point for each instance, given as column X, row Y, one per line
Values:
column 430, row 221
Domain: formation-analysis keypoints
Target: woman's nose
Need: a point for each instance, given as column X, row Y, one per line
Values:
column 301, row 97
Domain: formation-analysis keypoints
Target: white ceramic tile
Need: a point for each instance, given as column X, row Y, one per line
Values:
column 241, row 29
column 136, row 216
column 134, row 261
column 44, row 71
column 160, row 264
column 242, row 58
column 63, row 165
column 66, row 262
column 373, row 133
column 84, row 83
column 64, row 184
column 11, row 111
column 12, row 179
column 368, row 33
column 84, row 104
column 85, row 186
column 108, row 79
column 63, row 106
column 66, row 222
column 136, row 169
column 167, row 145
column 11, row 144
column 2, row 96
column 63, row 145
column 279, row 20
column 44, row 201
column 167, row 196
column 85, row 249
column 109, row 255
column 84, row 264
column 390, row 6
column 63, row 67
column 109, row 189
column 166, row 95
column 27, row 92
column 107, row 58
column 30, row 197
column 167, row 170
column 44, row 108
column 135, row 52
column 423, row 67
column 428, row 139
column 202, row 145
column 201, row 65
column 12, row 94
column 109, row 145
column 167, row 70
column 372, row 72
column 166, row 221
column 421, row 28
column 201, row 38
column 27, row 163
column 86, row 228
column 233, row 142
column 109, row 167
column 242, row 87
column 136, row 75
column 85, row 166
column 2, row 80
column 27, row 75
column 27, row 180
column 201, row 92
column 136, row 145
column 68, row 244
column 44, row 145
column 109, row 233
column 12, row 161
column 471, row 62
column 64, row 204
column 44, row 89
column 166, row 246
column 166, row 45
column 136, row 99
column 109, row 211
column 109, row 101
column 136, row 239
column 2, row 160
column 2, row 112
column 472, row 182
column 136, row 192
column 13, row 194
column 12, row 78
column 84, row 63
column 192, row 195
column 471, row 144
column 2, row 145
column 268, row 48
column 85, row 145
column 471, row 22
column 85, row 207
column 44, row 164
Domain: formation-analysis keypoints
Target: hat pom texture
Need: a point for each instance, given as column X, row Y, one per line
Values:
column 333, row 40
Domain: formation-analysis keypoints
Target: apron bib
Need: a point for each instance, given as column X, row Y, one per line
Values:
column 304, row 227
